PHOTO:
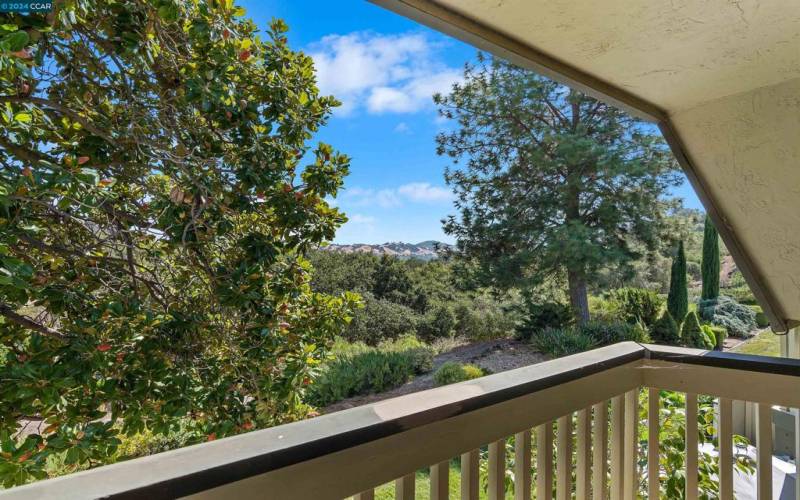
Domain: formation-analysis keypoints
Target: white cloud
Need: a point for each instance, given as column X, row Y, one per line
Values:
column 415, row 192
column 402, row 128
column 381, row 73
column 362, row 219
column 425, row 193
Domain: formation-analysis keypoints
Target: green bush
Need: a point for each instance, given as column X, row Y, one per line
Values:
column 452, row 372
column 691, row 333
column 761, row 318
column 636, row 304
column 483, row 318
column 380, row 320
column 741, row 294
column 665, row 330
column 738, row 319
column 438, row 322
column 537, row 317
column 371, row 371
column 604, row 333
column 558, row 342
column 709, row 337
column 720, row 334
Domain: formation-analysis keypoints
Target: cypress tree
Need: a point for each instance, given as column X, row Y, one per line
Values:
column 710, row 265
column 678, row 298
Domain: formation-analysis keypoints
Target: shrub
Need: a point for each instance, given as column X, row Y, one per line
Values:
column 691, row 333
column 761, row 319
column 368, row 372
column 636, row 304
column 720, row 334
column 709, row 337
column 558, row 342
column 452, row 372
column 380, row 320
column 438, row 322
column 739, row 320
column 741, row 294
column 483, row 318
column 604, row 333
column 665, row 330
column 537, row 317
column 693, row 270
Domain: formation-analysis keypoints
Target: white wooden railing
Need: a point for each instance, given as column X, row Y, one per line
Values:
column 352, row 452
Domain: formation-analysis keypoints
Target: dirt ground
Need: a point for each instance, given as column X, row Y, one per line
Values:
column 492, row 355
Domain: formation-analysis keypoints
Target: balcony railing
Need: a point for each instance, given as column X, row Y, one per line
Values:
column 351, row 452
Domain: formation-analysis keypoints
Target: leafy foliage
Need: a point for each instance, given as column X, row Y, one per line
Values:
column 636, row 304
column 157, row 198
column 691, row 333
column 738, row 319
column 678, row 298
column 554, row 182
column 439, row 322
column 365, row 370
column 665, row 330
column 710, row 264
column 452, row 372
column 559, row 342
column 761, row 319
column 672, row 447
column 381, row 320
column 483, row 317
column 538, row 316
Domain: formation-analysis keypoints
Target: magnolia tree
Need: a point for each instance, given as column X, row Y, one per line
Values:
column 157, row 197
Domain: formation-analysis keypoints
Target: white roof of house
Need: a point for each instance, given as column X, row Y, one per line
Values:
column 722, row 80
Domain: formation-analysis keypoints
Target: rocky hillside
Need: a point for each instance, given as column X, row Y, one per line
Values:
column 425, row 250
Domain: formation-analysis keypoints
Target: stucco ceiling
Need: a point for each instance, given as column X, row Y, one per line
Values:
column 722, row 79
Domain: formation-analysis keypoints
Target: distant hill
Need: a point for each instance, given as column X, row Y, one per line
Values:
column 424, row 250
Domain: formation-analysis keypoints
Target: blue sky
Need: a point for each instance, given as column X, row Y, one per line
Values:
column 384, row 69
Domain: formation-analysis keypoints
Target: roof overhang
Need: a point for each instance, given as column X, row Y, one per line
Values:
column 721, row 80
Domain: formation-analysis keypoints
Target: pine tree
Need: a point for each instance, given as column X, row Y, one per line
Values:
column 691, row 333
column 678, row 298
column 710, row 265
column 665, row 330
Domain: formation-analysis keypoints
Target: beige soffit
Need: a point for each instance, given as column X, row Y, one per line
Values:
column 721, row 79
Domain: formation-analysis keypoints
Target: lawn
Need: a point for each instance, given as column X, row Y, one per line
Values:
column 765, row 343
column 423, row 486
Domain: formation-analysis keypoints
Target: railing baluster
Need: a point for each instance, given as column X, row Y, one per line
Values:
column 440, row 481
column 544, row 461
column 725, row 449
column 764, row 447
column 365, row 495
column 470, row 475
column 497, row 470
column 522, row 465
column 600, row 451
column 617, row 445
column 583, row 454
column 653, row 429
column 691, row 446
column 404, row 487
column 564, row 458
column 631, row 478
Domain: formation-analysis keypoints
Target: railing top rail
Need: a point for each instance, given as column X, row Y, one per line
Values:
column 201, row 467
column 718, row 359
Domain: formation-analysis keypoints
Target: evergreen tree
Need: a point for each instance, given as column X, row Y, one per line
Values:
column 691, row 333
column 678, row 298
column 665, row 330
column 710, row 264
column 553, row 182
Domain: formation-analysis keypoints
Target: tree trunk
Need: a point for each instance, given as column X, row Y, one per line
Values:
column 578, row 296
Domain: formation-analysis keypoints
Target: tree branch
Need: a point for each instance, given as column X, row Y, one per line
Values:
column 7, row 311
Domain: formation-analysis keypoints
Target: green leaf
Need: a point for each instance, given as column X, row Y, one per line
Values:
column 23, row 117
column 16, row 41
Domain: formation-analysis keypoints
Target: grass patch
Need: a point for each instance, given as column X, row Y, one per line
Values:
column 765, row 343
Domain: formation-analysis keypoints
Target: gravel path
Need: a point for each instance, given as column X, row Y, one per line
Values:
column 492, row 355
